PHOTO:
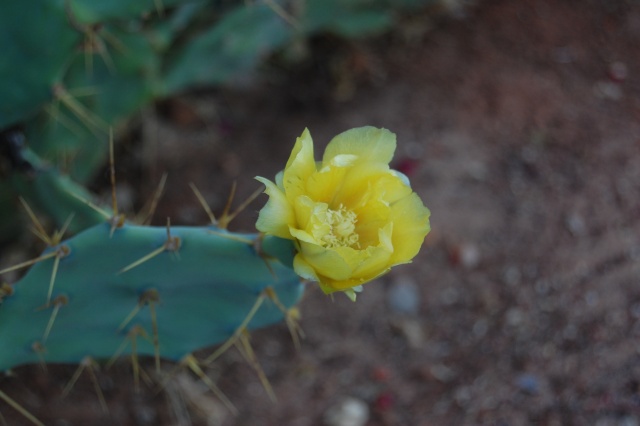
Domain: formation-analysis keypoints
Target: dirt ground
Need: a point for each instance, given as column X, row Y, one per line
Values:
column 519, row 125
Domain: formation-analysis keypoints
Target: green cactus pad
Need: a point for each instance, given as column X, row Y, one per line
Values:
column 46, row 189
column 205, row 290
column 32, row 63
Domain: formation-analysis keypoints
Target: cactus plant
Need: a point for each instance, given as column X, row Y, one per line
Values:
column 121, row 289
column 97, row 289
column 117, row 288
column 110, row 59
column 45, row 188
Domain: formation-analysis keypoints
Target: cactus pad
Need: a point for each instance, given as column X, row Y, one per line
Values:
column 111, row 291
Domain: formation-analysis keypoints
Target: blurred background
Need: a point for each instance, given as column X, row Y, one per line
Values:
column 518, row 123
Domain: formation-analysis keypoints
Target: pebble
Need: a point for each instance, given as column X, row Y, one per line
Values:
column 618, row 71
column 591, row 298
column 412, row 331
column 528, row 383
column 608, row 90
column 576, row 225
column 403, row 296
column 348, row 412
column 462, row 395
column 511, row 275
column 613, row 420
column 466, row 255
column 628, row 421
column 381, row 374
column 480, row 328
column 449, row 296
column 384, row 401
column 515, row 317
column 442, row 373
column 145, row 415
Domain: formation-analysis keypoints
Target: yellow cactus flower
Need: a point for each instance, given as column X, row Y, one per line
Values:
column 352, row 217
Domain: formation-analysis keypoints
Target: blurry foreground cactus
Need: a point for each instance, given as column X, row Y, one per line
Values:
column 74, row 68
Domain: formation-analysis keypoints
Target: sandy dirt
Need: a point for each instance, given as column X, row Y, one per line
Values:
column 519, row 125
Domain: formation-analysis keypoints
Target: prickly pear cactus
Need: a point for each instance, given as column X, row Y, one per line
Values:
column 144, row 291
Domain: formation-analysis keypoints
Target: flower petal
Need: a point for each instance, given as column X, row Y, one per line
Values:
column 303, row 268
column 372, row 216
column 370, row 144
column 277, row 215
column 329, row 285
column 410, row 226
column 371, row 181
column 324, row 185
column 303, row 207
column 376, row 264
column 327, row 261
column 301, row 235
column 300, row 166
column 356, row 182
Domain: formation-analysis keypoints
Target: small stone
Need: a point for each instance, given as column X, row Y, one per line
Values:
column 469, row 256
column 348, row 412
column 591, row 298
column 635, row 310
column 576, row 225
column 628, row 420
column 462, row 395
column 412, row 331
column 466, row 255
column 407, row 166
column 511, row 275
column 404, row 297
column 442, row 373
column 613, row 420
column 480, row 328
column 381, row 374
column 449, row 296
column 145, row 415
column 384, row 401
column 608, row 90
column 528, row 383
column 515, row 317
column 618, row 71
column 477, row 171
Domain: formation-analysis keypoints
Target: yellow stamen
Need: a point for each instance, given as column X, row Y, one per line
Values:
column 341, row 230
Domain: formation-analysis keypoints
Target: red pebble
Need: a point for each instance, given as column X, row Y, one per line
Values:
column 618, row 72
column 384, row 401
column 381, row 374
column 408, row 166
